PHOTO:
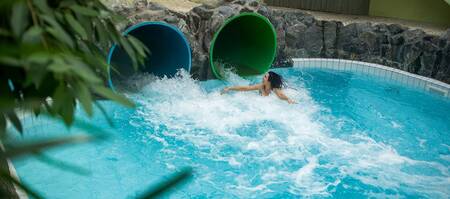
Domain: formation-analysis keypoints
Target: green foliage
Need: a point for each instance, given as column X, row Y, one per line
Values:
column 52, row 57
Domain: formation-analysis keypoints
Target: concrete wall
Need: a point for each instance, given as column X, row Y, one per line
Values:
column 431, row 11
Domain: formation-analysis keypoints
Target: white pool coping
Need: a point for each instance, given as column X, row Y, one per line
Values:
column 381, row 71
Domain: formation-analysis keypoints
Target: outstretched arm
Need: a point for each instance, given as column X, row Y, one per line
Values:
column 242, row 88
column 282, row 96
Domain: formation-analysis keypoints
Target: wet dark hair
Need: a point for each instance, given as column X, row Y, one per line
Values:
column 276, row 81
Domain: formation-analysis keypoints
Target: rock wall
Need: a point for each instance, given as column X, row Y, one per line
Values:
column 300, row 35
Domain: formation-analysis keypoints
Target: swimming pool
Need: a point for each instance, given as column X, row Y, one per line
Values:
column 349, row 136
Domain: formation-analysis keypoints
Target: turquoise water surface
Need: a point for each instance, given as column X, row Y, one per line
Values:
column 349, row 136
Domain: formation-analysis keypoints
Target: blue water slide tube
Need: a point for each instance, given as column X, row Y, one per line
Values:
column 170, row 51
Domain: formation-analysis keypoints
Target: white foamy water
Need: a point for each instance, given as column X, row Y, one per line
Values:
column 248, row 146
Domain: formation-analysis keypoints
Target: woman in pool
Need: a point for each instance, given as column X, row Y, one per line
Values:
column 270, row 82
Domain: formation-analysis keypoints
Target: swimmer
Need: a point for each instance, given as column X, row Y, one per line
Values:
column 270, row 82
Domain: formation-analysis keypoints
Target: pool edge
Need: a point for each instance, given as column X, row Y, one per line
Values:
column 392, row 74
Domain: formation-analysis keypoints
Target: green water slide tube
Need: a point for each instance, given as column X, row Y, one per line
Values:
column 246, row 43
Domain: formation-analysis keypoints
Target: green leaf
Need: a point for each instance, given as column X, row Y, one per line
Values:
column 58, row 66
column 67, row 113
column 24, row 149
column 32, row 35
column 138, row 46
column 19, row 19
column 102, row 34
column 130, row 51
column 84, row 10
column 67, row 3
column 37, row 111
column 115, row 35
column 80, row 68
column 57, row 31
column 6, row 176
column 2, row 124
column 10, row 61
column 76, row 26
column 170, row 183
column 39, row 73
column 39, row 57
column 63, row 103
column 15, row 121
column 5, row 32
column 61, row 35
column 109, row 94
column 94, row 59
column 86, row 22
column 84, row 96
column 42, row 6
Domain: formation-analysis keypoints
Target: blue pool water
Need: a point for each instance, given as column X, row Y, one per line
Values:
column 349, row 136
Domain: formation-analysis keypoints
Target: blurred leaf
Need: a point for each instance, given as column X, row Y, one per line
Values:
column 39, row 73
column 86, row 22
column 39, row 57
column 139, row 46
column 58, row 65
column 2, row 124
column 23, row 149
column 170, row 183
column 83, row 70
column 85, row 98
column 115, row 35
column 37, row 111
column 102, row 34
column 19, row 19
column 67, row 3
column 63, row 103
column 67, row 113
column 61, row 35
column 66, row 106
column 76, row 26
column 10, row 61
column 32, row 35
column 84, row 10
column 62, row 165
column 94, row 59
column 6, row 176
column 15, row 121
column 127, row 47
column 42, row 6
column 109, row 94
column 4, row 32
column 105, row 114
column 57, row 31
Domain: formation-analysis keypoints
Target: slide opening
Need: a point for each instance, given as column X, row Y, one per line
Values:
column 246, row 43
column 169, row 52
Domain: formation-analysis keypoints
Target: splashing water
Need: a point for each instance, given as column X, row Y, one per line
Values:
column 257, row 146
column 348, row 137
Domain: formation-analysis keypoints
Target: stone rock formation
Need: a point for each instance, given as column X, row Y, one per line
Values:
column 300, row 35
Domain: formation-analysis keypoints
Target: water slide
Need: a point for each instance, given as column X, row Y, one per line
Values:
column 246, row 43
